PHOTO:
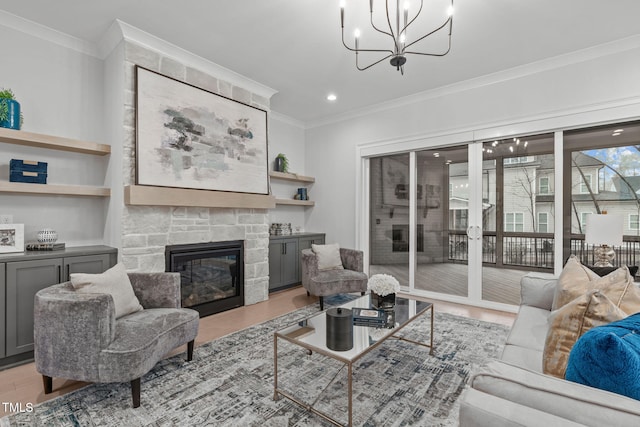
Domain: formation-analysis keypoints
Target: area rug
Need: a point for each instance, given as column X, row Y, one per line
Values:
column 230, row 382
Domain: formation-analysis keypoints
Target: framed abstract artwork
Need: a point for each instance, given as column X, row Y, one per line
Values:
column 187, row 137
column 11, row 238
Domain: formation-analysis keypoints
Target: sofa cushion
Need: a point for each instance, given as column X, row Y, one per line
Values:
column 581, row 404
column 114, row 282
column 538, row 289
column 328, row 256
column 523, row 357
column 529, row 329
column 608, row 357
column 603, row 271
column 576, row 280
column 570, row 322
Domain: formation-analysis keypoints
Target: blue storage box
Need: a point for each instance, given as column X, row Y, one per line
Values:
column 26, row 176
column 17, row 165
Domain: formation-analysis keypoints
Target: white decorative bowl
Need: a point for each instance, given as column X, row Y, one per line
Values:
column 47, row 235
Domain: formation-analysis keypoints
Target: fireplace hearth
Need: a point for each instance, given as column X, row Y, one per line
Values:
column 211, row 274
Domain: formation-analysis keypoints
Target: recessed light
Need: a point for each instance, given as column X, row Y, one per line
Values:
column 618, row 131
column 615, row 134
column 331, row 97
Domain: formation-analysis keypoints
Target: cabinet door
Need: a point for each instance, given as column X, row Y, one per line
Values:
column 275, row 264
column 3, row 305
column 23, row 280
column 92, row 264
column 290, row 262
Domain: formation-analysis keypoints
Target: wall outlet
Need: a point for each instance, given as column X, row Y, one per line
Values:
column 6, row 219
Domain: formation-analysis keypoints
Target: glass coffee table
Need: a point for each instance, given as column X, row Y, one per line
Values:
column 310, row 334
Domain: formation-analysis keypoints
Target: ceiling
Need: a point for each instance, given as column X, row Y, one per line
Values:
column 294, row 46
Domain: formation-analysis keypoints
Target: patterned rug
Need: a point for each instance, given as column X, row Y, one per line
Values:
column 230, row 382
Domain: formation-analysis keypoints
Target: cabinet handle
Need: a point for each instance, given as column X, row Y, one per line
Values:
column 59, row 275
column 284, row 248
column 68, row 275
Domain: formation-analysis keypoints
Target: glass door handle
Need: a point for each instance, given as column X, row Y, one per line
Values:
column 474, row 235
column 469, row 232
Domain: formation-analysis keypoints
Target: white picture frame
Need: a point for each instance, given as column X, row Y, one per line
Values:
column 11, row 238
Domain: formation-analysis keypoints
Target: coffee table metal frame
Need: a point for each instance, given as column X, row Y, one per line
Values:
column 290, row 334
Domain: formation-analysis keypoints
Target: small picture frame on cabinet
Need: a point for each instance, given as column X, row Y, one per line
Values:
column 11, row 238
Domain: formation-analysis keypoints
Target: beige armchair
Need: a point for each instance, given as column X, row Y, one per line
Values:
column 330, row 282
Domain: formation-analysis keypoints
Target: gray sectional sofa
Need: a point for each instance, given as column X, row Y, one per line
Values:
column 514, row 391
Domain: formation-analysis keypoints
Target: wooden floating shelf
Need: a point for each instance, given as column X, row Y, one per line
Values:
column 295, row 202
column 54, row 189
column 143, row 195
column 292, row 177
column 29, row 139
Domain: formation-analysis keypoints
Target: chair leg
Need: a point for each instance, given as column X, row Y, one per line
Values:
column 190, row 350
column 135, row 392
column 321, row 303
column 362, row 293
column 308, row 294
column 48, row 384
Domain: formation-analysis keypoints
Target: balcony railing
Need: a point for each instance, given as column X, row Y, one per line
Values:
column 535, row 250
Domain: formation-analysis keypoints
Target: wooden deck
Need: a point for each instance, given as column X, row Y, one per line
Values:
column 499, row 284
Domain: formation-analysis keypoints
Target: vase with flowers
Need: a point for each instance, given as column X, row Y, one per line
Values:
column 383, row 288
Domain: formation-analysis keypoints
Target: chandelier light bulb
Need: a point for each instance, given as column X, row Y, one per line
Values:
column 356, row 33
column 406, row 5
column 450, row 11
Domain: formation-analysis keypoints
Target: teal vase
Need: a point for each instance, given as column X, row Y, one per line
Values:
column 13, row 114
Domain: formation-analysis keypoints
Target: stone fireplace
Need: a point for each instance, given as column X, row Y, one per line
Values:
column 147, row 230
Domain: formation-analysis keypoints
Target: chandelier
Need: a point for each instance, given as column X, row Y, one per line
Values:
column 399, row 42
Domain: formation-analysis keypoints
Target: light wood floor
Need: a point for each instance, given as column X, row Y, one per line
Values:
column 23, row 384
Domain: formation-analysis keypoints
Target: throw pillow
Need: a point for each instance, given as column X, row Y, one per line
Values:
column 114, row 282
column 328, row 256
column 572, row 282
column 603, row 271
column 608, row 358
column 570, row 322
column 576, row 279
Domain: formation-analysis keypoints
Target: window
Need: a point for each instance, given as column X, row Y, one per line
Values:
column 516, row 160
column 634, row 220
column 514, row 221
column 585, row 184
column 543, row 222
column 543, row 185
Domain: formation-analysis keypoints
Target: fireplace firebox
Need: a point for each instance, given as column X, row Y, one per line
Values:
column 211, row 274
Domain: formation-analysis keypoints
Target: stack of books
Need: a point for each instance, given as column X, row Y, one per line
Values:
column 37, row 246
column 369, row 317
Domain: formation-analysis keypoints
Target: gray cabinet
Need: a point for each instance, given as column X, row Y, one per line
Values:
column 285, row 258
column 2, row 310
column 24, row 279
column 283, row 263
column 21, row 277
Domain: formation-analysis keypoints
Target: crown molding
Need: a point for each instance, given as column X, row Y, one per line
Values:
column 547, row 64
column 40, row 31
column 135, row 35
column 286, row 119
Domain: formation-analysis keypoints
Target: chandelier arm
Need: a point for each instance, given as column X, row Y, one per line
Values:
column 450, row 20
column 378, row 29
column 364, row 50
column 371, row 65
column 433, row 54
column 389, row 22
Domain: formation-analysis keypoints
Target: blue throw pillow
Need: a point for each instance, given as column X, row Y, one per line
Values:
column 608, row 357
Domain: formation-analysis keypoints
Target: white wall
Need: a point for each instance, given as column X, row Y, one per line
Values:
column 528, row 101
column 286, row 136
column 61, row 93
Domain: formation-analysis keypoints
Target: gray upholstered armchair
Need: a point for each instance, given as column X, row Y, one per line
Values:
column 330, row 282
column 77, row 335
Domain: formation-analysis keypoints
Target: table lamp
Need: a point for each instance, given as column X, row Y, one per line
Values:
column 604, row 231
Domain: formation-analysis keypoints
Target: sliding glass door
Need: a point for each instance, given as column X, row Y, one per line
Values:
column 389, row 236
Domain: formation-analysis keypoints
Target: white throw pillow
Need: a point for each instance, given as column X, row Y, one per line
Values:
column 328, row 256
column 114, row 282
